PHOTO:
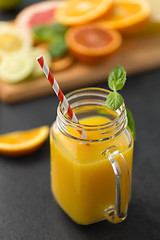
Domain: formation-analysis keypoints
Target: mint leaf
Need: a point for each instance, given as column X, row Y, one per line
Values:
column 58, row 28
column 116, row 81
column 46, row 33
column 43, row 33
column 58, row 47
column 117, row 78
column 114, row 100
column 131, row 123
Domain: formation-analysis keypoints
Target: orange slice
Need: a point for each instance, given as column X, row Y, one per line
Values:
column 23, row 142
column 81, row 11
column 60, row 64
column 92, row 43
column 126, row 13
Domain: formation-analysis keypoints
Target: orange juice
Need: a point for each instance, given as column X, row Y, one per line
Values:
column 82, row 179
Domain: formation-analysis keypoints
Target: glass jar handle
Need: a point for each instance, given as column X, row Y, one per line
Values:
column 118, row 212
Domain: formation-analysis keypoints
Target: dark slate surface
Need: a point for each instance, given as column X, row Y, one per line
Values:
column 27, row 208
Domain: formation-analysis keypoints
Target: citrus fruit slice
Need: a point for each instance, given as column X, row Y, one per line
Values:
column 1, row 57
column 23, row 142
column 4, row 24
column 35, row 52
column 60, row 64
column 126, row 13
column 13, row 39
column 153, row 26
column 81, row 11
column 155, row 10
column 44, row 45
column 16, row 68
column 37, row 14
column 92, row 43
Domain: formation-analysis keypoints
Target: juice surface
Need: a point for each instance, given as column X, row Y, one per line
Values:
column 82, row 178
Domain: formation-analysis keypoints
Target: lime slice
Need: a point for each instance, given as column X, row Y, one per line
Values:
column 16, row 68
column 35, row 52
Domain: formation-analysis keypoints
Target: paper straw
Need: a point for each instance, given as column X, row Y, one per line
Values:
column 58, row 92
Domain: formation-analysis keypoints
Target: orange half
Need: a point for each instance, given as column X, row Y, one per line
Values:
column 81, row 11
column 60, row 64
column 126, row 13
column 23, row 142
column 92, row 43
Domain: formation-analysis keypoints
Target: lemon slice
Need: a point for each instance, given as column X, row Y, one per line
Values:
column 13, row 39
column 155, row 10
column 16, row 68
column 35, row 52
column 1, row 57
column 153, row 25
column 23, row 142
column 4, row 24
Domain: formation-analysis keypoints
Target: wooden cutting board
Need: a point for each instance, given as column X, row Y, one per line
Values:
column 137, row 54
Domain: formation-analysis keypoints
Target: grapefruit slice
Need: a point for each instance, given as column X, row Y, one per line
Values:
column 125, row 14
column 81, row 11
column 92, row 43
column 37, row 14
column 23, row 142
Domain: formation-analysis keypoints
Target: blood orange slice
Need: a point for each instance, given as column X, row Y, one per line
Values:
column 37, row 14
column 92, row 43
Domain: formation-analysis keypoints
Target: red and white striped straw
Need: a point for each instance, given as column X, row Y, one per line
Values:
column 58, row 91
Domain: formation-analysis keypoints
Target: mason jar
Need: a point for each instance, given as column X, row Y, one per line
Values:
column 91, row 161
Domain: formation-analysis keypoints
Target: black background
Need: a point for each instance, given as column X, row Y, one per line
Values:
column 27, row 208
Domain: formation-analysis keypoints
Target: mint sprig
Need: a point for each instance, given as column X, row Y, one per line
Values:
column 116, row 81
column 114, row 100
column 117, row 78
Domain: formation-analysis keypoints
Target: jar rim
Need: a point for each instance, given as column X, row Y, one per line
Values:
column 104, row 125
